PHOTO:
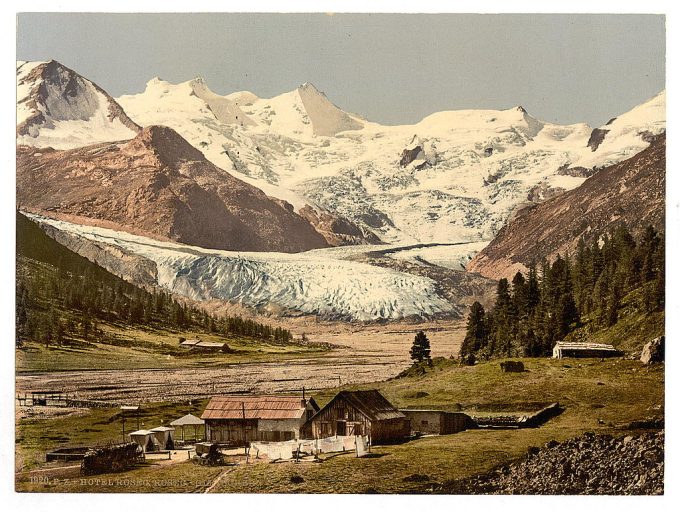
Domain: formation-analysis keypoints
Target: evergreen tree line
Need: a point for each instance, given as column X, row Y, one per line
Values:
column 536, row 310
column 60, row 294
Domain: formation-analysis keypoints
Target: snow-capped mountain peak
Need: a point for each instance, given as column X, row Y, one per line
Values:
column 454, row 175
column 59, row 108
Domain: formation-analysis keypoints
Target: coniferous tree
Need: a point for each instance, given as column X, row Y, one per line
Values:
column 475, row 335
column 420, row 350
column 591, row 286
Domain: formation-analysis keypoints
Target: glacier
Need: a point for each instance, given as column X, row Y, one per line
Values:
column 318, row 282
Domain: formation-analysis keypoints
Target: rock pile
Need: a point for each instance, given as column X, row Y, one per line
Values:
column 589, row 464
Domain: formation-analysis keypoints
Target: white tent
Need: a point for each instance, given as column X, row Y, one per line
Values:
column 145, row 439
column 164, row 437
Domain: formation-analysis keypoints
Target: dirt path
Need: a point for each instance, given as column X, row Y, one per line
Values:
column 217, row 480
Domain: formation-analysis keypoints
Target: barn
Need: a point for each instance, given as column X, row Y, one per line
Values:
column 430, row 421
column 365, row 413
column 238, row 420
column 581, row 349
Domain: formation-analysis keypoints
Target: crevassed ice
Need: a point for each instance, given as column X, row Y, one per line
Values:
column 315, row 282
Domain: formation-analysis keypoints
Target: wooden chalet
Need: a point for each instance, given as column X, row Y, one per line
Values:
column 239, row 419
column 365, row 413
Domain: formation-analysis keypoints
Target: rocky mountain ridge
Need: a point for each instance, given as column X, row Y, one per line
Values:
column 57, row 107
column 453, row 176
column 158, row 185
column 630, row 192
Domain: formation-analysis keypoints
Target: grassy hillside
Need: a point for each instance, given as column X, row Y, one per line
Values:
column 633, row 329
column 73, row 314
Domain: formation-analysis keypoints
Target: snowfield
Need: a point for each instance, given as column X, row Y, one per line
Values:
column 315, row 282
column 455, row 257
column 453, row 176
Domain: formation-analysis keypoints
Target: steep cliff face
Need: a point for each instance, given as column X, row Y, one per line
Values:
column 632, row 191
column 336, row 230
column 159, row 185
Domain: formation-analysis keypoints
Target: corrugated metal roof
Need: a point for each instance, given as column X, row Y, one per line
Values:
column 372, row 404
column 576, row 345
column 188, row 419
column 253, row 407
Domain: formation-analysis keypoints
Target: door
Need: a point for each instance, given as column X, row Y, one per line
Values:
column 341, row 428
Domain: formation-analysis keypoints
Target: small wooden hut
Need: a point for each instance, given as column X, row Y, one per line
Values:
column 583, row 349
column 429, row 421
column 365, row 413
column 197, row 345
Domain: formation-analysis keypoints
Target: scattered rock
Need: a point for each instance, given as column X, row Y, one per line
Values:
column 653, row 352
column 416, row 477
column 588, row 464
column 512, row 366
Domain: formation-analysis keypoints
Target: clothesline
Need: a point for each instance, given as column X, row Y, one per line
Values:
column 285, row 450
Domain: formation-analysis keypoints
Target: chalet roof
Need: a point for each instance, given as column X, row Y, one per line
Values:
column 371, row 403
column 190, row 343
column 187, row 419
column 210, row 344
column 576, row 345
column 202, row 344
column 270, row 407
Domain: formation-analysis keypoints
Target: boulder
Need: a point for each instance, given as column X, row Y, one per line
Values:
column 512, row 366
column 653, row 352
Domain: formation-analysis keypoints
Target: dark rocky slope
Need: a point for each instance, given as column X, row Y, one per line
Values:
column 632, row 191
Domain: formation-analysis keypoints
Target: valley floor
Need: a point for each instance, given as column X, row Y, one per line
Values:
column 603, row 397
column 359, row 354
